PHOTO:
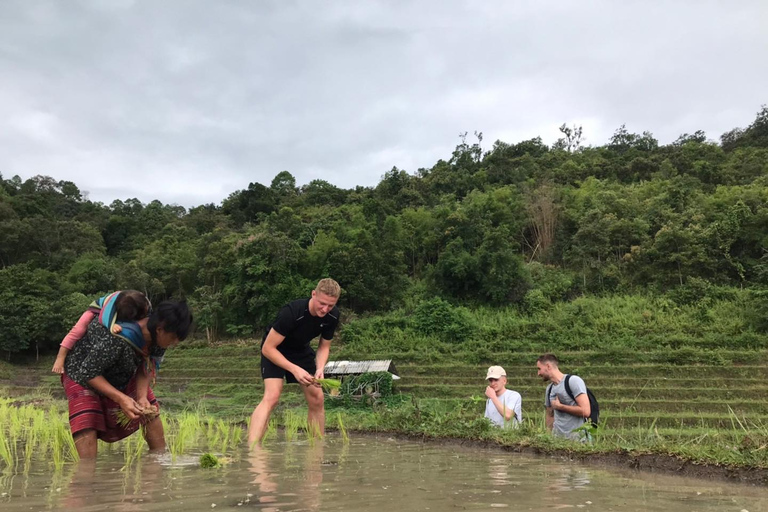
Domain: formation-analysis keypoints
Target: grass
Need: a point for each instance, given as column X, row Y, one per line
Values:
column 668, row 379
column 675, row 400
column 744, row 444
column 743, row 440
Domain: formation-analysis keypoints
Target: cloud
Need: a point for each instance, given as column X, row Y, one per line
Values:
column 187, row 101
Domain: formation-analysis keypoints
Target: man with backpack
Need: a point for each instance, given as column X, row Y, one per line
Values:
column 568, row 402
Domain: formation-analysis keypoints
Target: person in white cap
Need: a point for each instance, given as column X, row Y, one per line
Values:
column 504, row 407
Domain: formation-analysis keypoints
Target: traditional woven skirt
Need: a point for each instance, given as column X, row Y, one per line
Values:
column 89, row 410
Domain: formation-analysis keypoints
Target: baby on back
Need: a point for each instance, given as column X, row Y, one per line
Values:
column 130, row 306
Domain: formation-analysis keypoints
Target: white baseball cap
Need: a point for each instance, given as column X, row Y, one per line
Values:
column 495, row 372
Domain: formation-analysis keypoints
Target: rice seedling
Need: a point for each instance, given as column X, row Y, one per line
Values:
column 342, row 429
column 211, row 434
column 222, row 435
column 183, row 431
column 237, row 434
column 133, row 446
column 313, row 433
column 6, row 454
column 329, row 384
column 33, row 437
column 209, row 460
column 63, row 445
column 271, row 430
column 137, row 485
column 292, row 423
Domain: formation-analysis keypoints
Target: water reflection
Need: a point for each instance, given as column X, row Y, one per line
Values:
column 301, row 477
column 367, row 474
column 567, row 478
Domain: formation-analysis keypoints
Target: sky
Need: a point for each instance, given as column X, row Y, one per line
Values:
column 187, row 101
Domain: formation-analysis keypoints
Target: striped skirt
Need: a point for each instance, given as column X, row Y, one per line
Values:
column 89, row 410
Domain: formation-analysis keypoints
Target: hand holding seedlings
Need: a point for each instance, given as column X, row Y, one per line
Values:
column 145, row 412
column 144, row 403
column 130, row 407
column 303, row 376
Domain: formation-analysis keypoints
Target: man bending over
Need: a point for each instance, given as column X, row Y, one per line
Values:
column 286, row 354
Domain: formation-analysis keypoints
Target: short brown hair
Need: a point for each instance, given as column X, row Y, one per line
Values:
column 131, row 306
column 329, row 287
column 548, row 358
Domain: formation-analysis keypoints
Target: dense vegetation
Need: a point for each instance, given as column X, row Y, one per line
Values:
column 675, row 234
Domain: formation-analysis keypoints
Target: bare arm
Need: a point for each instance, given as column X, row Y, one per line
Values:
column 58, row 364
column 126, row 403
column 506, row 412
column 581, row 409
column 142, row 386
column 549, row 418
column 323, row 351
column 269, row 350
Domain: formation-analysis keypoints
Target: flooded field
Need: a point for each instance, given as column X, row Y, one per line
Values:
column 364, row 474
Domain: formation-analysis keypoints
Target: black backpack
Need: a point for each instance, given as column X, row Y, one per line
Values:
column 594, row 407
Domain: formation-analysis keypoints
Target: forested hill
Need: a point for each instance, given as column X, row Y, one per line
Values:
column 519, row 225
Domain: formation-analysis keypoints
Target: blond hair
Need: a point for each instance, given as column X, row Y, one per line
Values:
column 329, row 287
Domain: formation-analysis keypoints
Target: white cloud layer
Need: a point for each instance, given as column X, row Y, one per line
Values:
column 188, row 101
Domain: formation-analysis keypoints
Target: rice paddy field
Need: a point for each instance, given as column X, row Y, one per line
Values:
column 705, row 413
column 683, row 382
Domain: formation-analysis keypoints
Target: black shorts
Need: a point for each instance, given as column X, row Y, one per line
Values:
column 270, row 370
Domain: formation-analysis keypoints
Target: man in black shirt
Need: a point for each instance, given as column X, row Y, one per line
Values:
column 286, row 354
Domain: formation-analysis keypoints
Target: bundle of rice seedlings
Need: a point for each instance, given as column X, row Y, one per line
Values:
column 147, row 414
column 329, row 384
column 209, row 460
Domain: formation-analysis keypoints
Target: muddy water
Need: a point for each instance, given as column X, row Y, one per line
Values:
column 367, row 474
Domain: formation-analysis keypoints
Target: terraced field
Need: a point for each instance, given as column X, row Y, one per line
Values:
column 226, row 381
column 665, row 396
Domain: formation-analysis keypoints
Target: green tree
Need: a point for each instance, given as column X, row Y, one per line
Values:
column 28, row 315
column 91, row 274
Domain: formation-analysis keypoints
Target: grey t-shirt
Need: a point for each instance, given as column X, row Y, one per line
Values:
column 565, row 423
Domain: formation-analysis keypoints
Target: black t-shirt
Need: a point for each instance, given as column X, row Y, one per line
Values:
column 299, row 327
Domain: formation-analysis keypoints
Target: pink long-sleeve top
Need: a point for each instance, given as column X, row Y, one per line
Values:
column 78, row 331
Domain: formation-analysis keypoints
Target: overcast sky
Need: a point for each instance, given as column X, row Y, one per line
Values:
column 187, row 101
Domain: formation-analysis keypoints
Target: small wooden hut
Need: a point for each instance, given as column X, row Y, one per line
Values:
column 344, row 370
column 338, row 369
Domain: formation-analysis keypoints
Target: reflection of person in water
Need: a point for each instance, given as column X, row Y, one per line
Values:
column 263, row 478
column 561, row 481
column 313, row 477
column 568, row 478
column 498, row 471
column 138, row 482
column 270, row 469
